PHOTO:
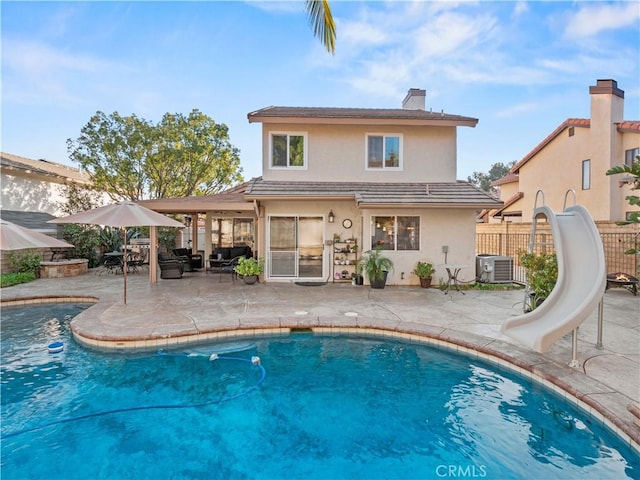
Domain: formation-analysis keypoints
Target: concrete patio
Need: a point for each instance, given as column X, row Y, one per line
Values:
column 204, row 306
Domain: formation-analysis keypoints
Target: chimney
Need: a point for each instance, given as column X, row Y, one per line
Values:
column 607, row 109
column 415, row 99
column 605, row 142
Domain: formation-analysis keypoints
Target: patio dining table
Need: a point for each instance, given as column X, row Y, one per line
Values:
column 114, row 261
column 452, row 272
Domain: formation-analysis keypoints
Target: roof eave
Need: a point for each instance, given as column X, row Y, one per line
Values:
column 403, row 205
column 300, row 196
column 419, row 122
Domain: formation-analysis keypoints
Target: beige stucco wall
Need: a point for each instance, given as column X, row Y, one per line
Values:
column 508, row 190
column 558, row 166
column 452, row 227
column 337, row 153
column 33, row 193
column 619, row 193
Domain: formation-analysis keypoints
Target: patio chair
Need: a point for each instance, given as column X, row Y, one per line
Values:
column 113, row 264
column 195, row 260
column 170, row 268
column 229, row 267
column 135, row 262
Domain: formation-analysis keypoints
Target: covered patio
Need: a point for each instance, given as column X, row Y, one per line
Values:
column 228, row 205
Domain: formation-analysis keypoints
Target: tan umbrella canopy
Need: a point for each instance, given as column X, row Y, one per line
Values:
column 121, row 214
column 15, row 237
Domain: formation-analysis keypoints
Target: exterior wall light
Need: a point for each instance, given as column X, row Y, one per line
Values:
column 332, row 217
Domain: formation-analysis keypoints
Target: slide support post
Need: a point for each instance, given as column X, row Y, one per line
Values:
column 599, row 345
column 574, row 363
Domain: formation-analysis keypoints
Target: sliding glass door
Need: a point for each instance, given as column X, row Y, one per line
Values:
column 296, row 247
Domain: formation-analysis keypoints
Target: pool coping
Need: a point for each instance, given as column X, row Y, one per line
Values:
column 602, row 403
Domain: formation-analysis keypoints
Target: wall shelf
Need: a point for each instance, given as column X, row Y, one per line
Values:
column 345, row 258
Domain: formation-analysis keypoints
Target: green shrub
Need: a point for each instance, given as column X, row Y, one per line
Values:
column 9, row 279
column 25, row 260
column 84, row 239
column 375, row 264
column 541, row 275
column 424, row 269
column 249, row 266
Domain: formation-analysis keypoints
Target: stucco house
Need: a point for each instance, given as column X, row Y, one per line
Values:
column 32, row 190
column 576, row 155
column 335, row 180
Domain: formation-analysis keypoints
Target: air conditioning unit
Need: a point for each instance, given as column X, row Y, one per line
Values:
column 494, row 269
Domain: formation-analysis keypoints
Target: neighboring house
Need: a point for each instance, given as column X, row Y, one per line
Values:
column 576, row 156
column 32, row 190
column 375, row 177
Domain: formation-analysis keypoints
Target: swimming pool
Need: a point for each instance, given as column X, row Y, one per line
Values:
column 328, row 407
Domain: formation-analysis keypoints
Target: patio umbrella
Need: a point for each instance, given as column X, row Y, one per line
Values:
column 121, row 214
column 15, row 237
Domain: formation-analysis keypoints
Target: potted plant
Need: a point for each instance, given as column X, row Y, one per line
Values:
column 376, row 267
column 249, row 269
column 541, row 276
column 358, row 279
column 424, row 271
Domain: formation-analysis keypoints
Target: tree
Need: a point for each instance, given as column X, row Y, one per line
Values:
column 632, row 178
column 195, row 150
column 130, row 158
column 321, row 19
column 484, row 180
column 84, row 238
column 78, row 199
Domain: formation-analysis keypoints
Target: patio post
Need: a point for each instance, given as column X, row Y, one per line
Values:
column 153, row 254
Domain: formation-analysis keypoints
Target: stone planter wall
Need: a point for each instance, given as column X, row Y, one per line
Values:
column 64, row 268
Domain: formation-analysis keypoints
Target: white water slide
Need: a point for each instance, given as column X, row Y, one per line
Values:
column 580, row 285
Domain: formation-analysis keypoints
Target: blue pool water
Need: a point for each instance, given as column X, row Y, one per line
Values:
column 328, row 408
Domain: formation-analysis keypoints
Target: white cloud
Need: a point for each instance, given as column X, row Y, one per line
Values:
column 595, row 18
column 382, row 79
column 452, row 34
column 360, row 35
column 517, row 110
column 384, row 47
column 36, row 72
column 36, row 59
column 520, row 9
column 278, row 6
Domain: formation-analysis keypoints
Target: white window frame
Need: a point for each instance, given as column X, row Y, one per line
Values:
column 586, row 174
column 395, row 233
column 289, row 134
column 384, row 136
column 630, row 156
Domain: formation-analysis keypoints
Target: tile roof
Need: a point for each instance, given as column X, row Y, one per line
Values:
column 629, row 126
column 44, row 167
column 231, row 199
column 625, row 126
column 508, row 178
column 449, row 194
column 507, row 204
column 334, row 115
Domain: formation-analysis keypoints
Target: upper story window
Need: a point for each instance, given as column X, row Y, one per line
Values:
column 586, row 174
column 288, row 150
column 384, row 151
column 630, row 156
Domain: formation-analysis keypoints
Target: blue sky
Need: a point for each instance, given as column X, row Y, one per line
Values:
column 521, row 68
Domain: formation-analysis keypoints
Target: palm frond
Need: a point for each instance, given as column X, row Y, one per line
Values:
column 321, row 19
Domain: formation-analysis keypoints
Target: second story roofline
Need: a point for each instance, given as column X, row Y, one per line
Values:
column 43, row 167
column 359, row 116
